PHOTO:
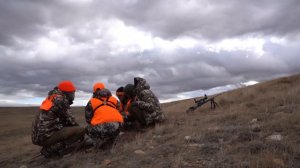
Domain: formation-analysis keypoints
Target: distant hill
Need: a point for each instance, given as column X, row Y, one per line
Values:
column 255, row 126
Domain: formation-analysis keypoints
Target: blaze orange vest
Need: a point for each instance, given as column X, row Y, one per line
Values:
column 105, row 111
column 126, row 107
column 47, row 103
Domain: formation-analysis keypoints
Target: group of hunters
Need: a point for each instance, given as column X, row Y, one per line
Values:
column 57, row 132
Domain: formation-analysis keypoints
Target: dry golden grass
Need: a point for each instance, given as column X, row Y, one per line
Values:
column 234, row 135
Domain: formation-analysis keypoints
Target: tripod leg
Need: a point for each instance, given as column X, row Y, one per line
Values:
column 216, row 104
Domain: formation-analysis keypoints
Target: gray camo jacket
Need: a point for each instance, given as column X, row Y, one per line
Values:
column 147, row 101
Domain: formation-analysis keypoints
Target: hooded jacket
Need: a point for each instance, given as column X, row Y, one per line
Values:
column 147, row 101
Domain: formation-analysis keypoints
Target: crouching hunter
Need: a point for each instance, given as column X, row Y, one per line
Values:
column 102, row 117
column 54, row 128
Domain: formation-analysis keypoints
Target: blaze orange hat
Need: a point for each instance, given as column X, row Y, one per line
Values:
column 66, row 86
column 98, row 85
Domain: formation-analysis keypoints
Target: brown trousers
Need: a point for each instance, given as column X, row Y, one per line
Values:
column 68, row 135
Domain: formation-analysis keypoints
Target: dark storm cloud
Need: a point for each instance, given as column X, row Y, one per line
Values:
column 21, row 19
column 168, row 19
column 215, row 19
column 29, row 19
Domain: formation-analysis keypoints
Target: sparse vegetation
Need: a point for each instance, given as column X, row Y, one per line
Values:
column 235, row 135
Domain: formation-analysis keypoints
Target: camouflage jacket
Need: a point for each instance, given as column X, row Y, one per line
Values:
column 147, row 101
column 89, row 112
column 48, row 122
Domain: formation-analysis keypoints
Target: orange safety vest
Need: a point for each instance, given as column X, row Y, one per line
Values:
column 126, row 107
column 105, row 111
column 47, row 103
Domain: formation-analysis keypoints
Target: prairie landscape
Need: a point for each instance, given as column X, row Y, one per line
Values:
column 254, row 126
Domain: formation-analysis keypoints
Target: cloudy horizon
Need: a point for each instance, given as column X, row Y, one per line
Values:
column 182, row 48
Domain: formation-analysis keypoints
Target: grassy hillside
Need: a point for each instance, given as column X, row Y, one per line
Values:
column 256, row 126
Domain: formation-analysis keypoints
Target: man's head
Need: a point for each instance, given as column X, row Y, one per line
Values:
column 120, row 93
column 129, row 91
column 68, row 88
column 103, row 93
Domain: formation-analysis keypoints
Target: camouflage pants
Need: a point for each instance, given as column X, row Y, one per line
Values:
column 103, row 134
column 58, row 143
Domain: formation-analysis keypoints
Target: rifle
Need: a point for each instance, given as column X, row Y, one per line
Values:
column 32, row 159
column 200, row 102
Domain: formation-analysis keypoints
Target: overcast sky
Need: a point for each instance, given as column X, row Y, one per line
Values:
column 178, row 46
